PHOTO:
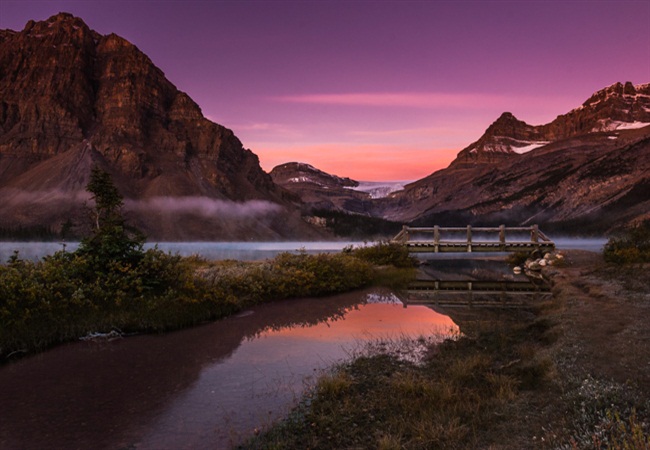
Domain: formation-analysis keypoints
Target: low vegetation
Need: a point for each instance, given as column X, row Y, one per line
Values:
column 356, row 225
column 111, row 284
column 448, row 401
column 384, row 253
column 630, row 247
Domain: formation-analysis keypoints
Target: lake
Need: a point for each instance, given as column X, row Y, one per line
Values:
column 248, row 251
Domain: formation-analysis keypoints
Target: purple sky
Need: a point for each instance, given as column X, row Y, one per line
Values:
column 386, row 90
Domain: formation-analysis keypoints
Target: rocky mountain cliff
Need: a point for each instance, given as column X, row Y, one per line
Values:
column 588, row 171
column 71, row 98
column 619, row 106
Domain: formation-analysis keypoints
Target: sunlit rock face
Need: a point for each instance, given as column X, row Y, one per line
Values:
column 585, row 172
column 71, row 98
column 617, row 107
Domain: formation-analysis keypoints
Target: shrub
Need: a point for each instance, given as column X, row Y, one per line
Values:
column 384, row 253
column 632, row 246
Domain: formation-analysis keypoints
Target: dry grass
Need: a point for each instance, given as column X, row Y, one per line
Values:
column 572, row 378
column 448, row 401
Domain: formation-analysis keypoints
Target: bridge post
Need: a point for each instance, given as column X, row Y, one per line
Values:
column 534, row 235
column 436, row 238
column 502, row 237
column 469, row 239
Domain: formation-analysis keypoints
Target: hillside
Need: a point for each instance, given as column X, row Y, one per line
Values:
column 588, row 171
column 71, row 98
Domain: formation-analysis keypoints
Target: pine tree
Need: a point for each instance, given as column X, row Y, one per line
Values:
column 112, row 239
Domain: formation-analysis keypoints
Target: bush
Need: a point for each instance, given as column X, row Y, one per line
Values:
column 384, row 253
column 632, row 246
column 288, row 275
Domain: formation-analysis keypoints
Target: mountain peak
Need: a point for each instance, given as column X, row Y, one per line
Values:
column 64, row 87
column 617, row 90
column 616, row 107
column 60, row 23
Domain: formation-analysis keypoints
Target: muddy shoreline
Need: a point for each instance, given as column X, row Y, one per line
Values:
column 570, row 372
column 601, row 359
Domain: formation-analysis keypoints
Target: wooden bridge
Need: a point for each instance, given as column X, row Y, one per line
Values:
column 475, row 293
column 473, row 239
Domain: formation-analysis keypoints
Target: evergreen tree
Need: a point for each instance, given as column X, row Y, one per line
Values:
column 112, row 239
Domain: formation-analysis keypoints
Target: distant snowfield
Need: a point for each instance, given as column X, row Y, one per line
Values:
column 617, row 125
column 531, row 146
column 380, row 189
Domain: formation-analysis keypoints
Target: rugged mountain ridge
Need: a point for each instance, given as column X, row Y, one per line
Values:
column 588, row 171
column 619, row 106
column 71, row 98
column 319, row 190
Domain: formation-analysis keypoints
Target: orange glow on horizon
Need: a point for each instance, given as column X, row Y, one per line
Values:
column 362, row 162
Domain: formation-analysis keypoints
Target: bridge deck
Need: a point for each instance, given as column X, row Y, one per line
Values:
column 412, row 238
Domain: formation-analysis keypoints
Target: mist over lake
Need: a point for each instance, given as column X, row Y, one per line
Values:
column 247, row 251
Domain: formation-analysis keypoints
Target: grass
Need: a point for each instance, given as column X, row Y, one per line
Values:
column 70, row 295
column 632, row 246
column 381, row 401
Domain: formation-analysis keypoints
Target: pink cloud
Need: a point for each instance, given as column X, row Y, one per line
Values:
column 428, row 100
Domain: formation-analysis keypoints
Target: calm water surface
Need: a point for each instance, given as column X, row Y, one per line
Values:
column 246, row 250
column 204, row 387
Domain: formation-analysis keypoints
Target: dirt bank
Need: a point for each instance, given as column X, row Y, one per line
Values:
column 598, row 394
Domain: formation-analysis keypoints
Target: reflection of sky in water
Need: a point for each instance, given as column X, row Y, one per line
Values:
column 195, row 388
column 267, row 374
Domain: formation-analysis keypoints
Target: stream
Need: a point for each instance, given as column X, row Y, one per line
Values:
column 214, row 385
column 205, row 387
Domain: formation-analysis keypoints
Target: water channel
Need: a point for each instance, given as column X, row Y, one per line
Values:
column 204, row 387
column 213, row 385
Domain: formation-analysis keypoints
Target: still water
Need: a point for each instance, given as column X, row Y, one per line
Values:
column 204, row 387
column 248, row 251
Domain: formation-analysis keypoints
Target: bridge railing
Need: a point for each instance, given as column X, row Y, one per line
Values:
column 473, row 238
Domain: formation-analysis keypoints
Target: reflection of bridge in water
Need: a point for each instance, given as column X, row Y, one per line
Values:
column 474, row 239
column 473, row 282
column 477, row 293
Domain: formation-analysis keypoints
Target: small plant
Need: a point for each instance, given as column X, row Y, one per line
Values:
column 631, row 247
column 385, row 253
column 518, row 258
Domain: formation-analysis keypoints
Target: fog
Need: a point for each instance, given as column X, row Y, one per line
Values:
column 204, row 206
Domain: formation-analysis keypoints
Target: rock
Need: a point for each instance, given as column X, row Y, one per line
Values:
column 71, row 98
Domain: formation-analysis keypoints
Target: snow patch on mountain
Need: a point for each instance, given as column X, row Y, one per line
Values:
column 613, row 125
column 529, row 147
column 380, row 189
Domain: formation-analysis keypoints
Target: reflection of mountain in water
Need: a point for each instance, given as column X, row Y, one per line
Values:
column 101, row 394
